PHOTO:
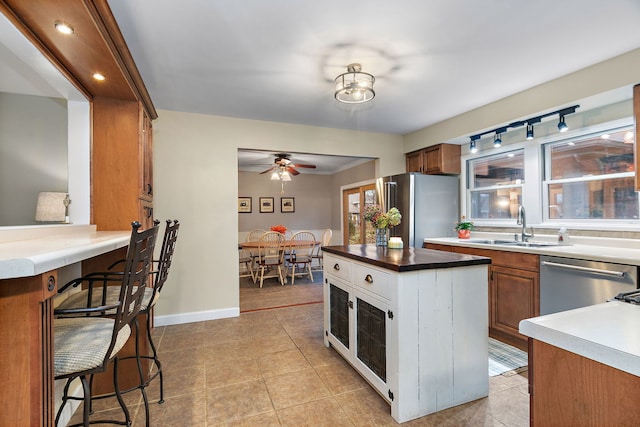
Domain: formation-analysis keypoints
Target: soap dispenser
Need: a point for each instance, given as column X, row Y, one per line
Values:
column 563, row 236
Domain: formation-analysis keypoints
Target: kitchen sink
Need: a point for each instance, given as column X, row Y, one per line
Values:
column 532, row 244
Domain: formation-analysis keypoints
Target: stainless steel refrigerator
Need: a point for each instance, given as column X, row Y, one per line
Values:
column 429, row 205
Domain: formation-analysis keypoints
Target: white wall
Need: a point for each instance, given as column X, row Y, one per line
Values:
column 196, row 181
column 587, row 84
column 33, row 153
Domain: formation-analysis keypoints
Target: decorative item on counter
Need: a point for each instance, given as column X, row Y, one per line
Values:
column 279, row 228
column 464, row 228
column 382, row 222
column 563, row 236
column 396, row 243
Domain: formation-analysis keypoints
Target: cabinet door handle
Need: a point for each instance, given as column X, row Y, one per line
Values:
column 149, row 189
column 336, row 267
column 368, row 278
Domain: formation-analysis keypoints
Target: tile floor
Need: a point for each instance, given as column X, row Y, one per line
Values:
column 270, row 368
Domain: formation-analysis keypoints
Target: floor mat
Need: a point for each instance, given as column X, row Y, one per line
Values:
column 504, row 358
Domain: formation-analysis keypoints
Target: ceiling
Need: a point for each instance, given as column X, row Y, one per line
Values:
column 276, row 60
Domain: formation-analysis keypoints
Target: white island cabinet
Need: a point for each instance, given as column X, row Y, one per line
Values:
column 412, row 322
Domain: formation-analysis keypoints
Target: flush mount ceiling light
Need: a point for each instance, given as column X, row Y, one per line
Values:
column 63, row 28
column 354, row 86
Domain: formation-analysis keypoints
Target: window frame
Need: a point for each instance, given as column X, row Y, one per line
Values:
column 470, row 190
column 534, row 197
column 545, row 153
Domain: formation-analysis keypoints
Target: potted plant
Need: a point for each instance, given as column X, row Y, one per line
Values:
column 464, row 228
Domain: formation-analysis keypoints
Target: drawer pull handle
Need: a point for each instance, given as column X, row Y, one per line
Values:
column 368, row 278
column 336, row 267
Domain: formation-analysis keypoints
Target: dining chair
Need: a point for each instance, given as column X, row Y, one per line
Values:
column 107, row 295
column 253, row 236
column 270, row 256
column 324, row 241
column 301, row 248
column 85, row 340
column 246, row 264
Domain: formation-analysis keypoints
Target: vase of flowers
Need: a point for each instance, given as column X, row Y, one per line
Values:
column 382, row 222
column 464, row 228
column 279, row 229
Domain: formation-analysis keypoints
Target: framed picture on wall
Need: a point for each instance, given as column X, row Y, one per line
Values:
column 244, row 204
column 287, row 204
column 266, row 204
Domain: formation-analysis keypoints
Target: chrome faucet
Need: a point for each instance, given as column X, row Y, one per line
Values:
column 522, row 220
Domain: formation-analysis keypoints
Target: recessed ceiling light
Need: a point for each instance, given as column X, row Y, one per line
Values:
column 63, row 28
column 605, row 136
column 99, row 77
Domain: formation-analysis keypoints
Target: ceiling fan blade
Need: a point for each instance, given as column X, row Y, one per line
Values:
column 269, row 170
column 299, row 165
column 292, row 170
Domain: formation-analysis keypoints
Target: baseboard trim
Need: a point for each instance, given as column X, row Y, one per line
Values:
column 198, row 316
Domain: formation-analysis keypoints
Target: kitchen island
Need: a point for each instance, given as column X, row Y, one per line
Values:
column 413, row 322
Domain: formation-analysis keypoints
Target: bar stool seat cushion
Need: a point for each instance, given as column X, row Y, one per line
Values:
column 81, row 343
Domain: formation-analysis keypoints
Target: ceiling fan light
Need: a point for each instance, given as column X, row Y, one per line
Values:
column 285, row 176
column 275, row 176
column 354, row 86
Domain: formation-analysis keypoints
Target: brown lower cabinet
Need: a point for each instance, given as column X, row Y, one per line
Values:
column 566, row 389
column 514, row 290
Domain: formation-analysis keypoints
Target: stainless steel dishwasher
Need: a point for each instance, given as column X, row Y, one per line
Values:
column 567, row 283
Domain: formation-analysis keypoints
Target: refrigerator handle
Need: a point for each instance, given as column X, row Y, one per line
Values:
column 390, row 195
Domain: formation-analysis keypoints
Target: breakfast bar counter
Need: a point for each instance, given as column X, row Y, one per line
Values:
column 413, row 322
column 29, row 264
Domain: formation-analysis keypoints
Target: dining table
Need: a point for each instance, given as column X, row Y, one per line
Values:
column 287, row 244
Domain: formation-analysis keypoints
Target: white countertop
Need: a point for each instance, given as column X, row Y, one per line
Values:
column 608, row 333
column 33, row 253
column 621, row 251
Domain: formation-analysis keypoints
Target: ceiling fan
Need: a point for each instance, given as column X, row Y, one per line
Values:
column 283, row 163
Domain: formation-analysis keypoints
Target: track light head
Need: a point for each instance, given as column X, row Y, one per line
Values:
column 497, row 141
column 529, row 131
column 562, row 125
column 472, row 144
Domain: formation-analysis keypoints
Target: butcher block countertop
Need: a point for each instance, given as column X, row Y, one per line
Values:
column 407, row 259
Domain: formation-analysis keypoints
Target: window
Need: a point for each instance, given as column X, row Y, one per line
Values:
column 591, row 177
column 495, row 185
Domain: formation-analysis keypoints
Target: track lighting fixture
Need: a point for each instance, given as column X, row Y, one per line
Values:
column 529, row 132
column 562, row 126
column 497, row 139
column 472, row 144
column 497, row 142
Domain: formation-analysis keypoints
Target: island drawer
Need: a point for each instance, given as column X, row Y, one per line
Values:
column 337, row 267
column 373, row 280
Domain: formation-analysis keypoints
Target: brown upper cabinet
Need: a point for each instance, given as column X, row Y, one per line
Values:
column 121, row 112
column 441, row 159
